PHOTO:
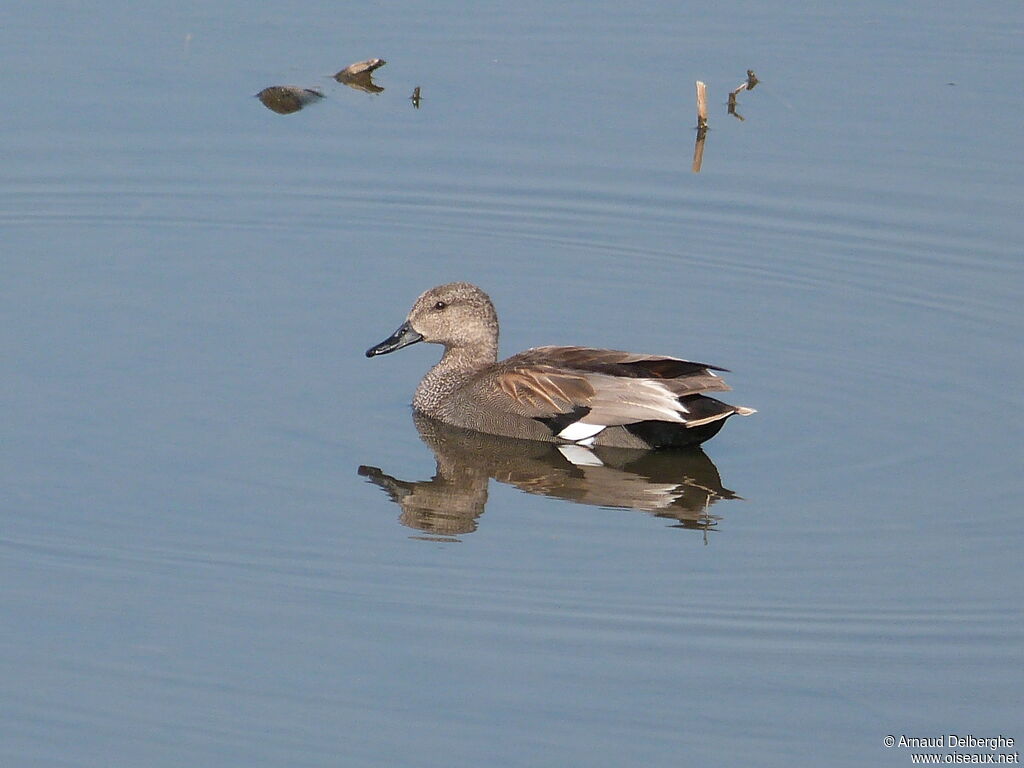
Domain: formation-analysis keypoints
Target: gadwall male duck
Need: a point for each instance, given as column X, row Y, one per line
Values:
column 558, row 394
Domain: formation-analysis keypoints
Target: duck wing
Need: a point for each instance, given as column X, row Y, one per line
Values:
column 600, row 387
column 682, row 377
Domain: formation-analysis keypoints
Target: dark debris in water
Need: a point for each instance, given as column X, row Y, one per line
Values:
column 362, row 82
column 285, row 99
column 360, row 67
column 359, row 75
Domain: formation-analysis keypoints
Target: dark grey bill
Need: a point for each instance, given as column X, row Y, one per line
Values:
column 403, row 337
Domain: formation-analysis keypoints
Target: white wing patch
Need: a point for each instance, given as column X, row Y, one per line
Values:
column 578, row 432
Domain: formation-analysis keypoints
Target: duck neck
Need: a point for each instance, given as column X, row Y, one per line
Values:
column 470, row 356
column 457, row 365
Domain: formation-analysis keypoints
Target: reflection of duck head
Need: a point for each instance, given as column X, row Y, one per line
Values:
column 678, row 484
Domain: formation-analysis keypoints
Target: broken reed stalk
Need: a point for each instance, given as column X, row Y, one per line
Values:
column 702, row 107
column 702, row 126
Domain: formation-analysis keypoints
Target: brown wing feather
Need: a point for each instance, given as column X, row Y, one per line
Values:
column 543, row 390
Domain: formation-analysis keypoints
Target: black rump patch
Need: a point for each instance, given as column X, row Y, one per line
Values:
column 667, row 434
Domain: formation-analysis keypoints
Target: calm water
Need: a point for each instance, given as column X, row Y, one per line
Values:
column 223, row 541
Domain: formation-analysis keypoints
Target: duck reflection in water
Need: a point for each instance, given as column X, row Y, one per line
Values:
column 679, row 485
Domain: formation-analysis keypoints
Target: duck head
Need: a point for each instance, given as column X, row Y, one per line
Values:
column 457, row 315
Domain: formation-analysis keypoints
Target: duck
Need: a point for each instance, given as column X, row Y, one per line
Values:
column 568, row 395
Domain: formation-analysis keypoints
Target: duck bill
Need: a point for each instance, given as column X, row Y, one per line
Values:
column 403, row 337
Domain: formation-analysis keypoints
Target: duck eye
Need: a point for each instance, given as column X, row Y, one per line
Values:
column 440, row 305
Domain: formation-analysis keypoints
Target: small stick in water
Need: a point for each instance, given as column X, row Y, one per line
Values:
column 415, row 98
column 751, row 81
column 748, row 85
